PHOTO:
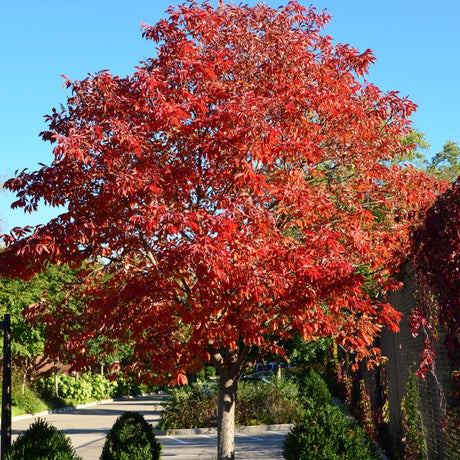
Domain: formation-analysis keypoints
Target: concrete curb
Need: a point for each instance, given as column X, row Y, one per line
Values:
column 81, row 406
column 213, row 431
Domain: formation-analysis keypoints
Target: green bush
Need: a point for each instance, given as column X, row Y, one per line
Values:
column 326, row 433
column 85, row 388
column 205, row 374
column 314, row 389
column 258, row 403
column 128, row 387
column 42, row 441
column 210, row 371
column 27, row 401
column 190, row 406
column 131, row 438
column 101, row 388
column 261, row 403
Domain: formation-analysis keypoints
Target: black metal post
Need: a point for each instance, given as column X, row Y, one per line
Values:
column 6, row 386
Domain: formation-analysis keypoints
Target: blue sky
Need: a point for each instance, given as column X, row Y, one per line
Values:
column 416, row 44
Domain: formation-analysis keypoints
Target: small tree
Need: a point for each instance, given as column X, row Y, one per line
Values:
column 236, row 187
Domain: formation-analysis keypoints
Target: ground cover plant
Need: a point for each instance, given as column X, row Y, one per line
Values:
column 239, row 189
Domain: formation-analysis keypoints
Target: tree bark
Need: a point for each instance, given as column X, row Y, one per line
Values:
column 231, row 367
column 228, row 386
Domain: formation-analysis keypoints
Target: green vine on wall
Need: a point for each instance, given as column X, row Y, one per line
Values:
column 413, row 437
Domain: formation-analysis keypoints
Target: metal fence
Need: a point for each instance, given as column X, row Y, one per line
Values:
column 436, row 403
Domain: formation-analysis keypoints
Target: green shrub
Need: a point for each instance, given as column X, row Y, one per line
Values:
column 85, row 388
column 314, row 389
column 101, row 388
column 326, row 433
column 28, row 401
column 131, row 438
column 190, row 406
column 210, row 371
column 258, row 403
column 129, row 387
column 261, row 403
column 42, row 441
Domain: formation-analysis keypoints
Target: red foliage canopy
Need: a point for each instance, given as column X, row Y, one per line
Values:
column 236, row 188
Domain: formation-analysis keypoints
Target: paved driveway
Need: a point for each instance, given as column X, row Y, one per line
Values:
column 88, row 426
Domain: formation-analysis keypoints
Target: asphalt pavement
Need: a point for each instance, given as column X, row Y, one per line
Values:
column 87, row 427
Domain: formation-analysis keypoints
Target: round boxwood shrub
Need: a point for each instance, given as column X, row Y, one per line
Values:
column 314, row 389
column 131, row 438
column 326, row 433
column 42, row 441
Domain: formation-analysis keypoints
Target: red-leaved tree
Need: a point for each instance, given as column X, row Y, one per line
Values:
column 237, row 188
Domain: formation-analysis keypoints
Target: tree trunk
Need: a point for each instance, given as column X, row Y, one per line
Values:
column 231, row 364
column 56, row 380
column 228, row 386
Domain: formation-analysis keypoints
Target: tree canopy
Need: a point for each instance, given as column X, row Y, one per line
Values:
column 16, row 295
column 445, row 165
column 237, row 188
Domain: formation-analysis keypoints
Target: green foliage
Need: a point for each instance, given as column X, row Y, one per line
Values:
column 131, row 438
column 206, row 373
column 210, row 371
column 42, row 441
column 413, row 439
column 307, row 354
column 128, row 387
column 417, row 156
column 445, row 165
column 314, row 389
column 190, row 406
column 28, row 401
column 16, row 295
column 101, row 388
column 264, row 403
column 326, row 433
column 88, row 387
column 23, row 397
column 195, row 406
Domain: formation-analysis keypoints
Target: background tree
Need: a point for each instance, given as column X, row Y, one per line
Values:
column 236, row 186
column 445, row 165
column 417, row 155
column 15, row 296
